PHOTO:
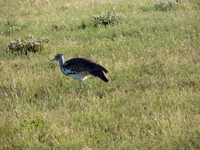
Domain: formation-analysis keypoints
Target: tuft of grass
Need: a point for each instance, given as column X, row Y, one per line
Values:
column 11, row 26
column 57, row 27
column 163, row 6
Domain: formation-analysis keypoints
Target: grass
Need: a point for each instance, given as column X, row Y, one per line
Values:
column 151, row 101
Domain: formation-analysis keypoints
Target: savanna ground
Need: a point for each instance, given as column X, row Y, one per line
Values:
column 152, row 52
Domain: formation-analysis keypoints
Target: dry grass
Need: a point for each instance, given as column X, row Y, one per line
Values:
column 151, row 101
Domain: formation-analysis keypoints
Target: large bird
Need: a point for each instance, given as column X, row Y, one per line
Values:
column 81, row 68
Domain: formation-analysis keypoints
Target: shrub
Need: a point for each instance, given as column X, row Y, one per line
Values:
column 29, row 44
column 109, row 18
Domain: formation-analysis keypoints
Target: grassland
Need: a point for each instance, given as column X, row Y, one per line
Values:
column 153, row 56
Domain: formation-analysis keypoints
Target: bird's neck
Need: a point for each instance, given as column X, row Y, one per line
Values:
column 61, row 60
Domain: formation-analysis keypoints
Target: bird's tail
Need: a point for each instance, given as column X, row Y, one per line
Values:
column 100, row 74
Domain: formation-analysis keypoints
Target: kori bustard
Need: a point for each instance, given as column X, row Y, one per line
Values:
column 81, row 68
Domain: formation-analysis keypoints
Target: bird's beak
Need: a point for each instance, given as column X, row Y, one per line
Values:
column 53, row 59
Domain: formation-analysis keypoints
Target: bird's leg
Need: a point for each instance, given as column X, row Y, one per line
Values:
column 81, row 84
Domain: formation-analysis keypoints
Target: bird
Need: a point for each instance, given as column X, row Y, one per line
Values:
column 81, row 68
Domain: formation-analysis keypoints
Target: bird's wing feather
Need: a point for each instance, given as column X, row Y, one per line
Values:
column 100, row 74
column 81, row 64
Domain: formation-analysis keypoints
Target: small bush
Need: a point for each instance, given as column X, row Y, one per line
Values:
column 109, row 18
column 29, row 44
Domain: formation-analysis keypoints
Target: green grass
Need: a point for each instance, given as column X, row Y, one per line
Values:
column 152, row 54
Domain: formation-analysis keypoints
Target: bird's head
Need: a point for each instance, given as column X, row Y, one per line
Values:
column 57, row 57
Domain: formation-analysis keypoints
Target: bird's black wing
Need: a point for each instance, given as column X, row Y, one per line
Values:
column 82, row 64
